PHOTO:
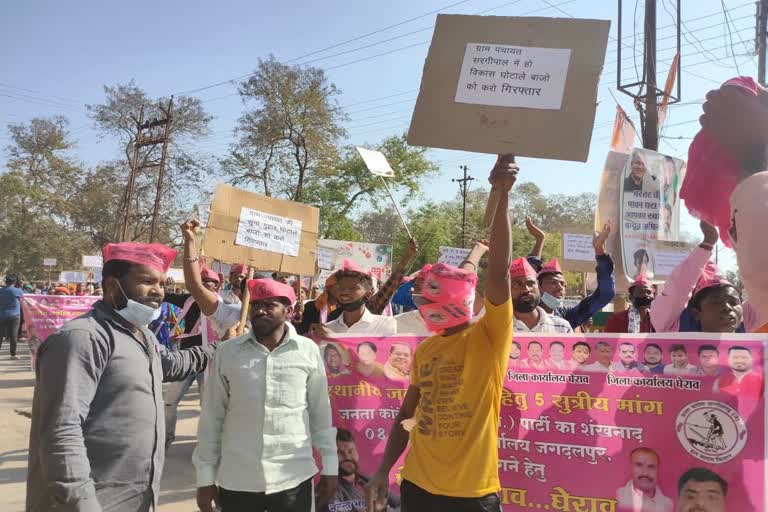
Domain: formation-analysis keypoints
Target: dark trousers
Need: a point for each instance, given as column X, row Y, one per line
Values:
column 9, row 329
column 298, row 499
column 416, row 499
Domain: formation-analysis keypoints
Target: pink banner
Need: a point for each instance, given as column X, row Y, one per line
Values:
column 588, row 423
column 45, row 314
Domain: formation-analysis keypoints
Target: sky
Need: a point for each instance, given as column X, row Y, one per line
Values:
column 55, row 57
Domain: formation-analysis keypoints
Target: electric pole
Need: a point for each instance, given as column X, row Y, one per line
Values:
column 762, row 29
column 463, row 187
column 149, row 140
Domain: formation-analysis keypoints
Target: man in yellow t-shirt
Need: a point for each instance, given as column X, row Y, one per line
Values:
column 454, row 397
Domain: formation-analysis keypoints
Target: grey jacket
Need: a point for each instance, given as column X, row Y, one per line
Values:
column 96, row 440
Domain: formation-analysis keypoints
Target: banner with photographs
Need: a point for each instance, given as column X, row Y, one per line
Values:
column 596, row 422
column 650, row 209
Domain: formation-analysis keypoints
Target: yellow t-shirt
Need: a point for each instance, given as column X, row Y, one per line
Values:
column 454, row 445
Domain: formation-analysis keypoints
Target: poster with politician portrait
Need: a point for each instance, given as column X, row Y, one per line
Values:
column 650, row 209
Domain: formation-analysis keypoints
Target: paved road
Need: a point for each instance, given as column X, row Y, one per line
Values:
column 177, row 490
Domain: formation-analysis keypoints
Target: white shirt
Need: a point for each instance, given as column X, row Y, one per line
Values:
column 411, row 323
column 262, row 412
column 596, row 367
column 368, row 324
column 547, row 324
column 637, row 501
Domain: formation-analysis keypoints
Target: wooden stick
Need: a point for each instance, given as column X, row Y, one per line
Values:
column 494, row 196
column 394, row 203
column 246, row 301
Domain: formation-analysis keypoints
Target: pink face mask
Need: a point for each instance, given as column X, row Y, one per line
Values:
column 451, row 295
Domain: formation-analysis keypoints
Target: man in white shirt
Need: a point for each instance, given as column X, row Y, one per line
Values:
column 642, row 493
column 265, row 406
column 526, row 296
column 354, row 286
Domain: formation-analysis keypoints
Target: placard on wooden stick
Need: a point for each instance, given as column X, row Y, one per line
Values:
column 501, row 85
column 263, row 232
column 578, row 253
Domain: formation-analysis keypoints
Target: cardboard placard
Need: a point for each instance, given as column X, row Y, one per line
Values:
column 452, row 255
column 525, row 86
column 578, row 254
column 376, row 162
column 225, row 218
column 92, row 261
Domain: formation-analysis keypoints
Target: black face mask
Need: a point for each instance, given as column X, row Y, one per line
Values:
column 640, row 302
column 353, row 306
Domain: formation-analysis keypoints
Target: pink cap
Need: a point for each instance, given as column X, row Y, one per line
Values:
column 207, row 273
column 521, row 268
column 712, row 174
column 156, row 256
column 551, row 267
column 351, row 266
column 446, row 284
column 269, row 288
column 641, row 280
column 238, row 268
column 710, row 277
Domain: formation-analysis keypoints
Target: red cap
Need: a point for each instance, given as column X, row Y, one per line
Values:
column 551, row 267
column 156, row 256
column 207, row 273
column 521, row 268
column 269, row 288
column 237, row 268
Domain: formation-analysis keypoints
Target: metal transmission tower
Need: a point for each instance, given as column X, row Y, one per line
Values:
column 147, row 137
column 645, row 91
column 463, row 188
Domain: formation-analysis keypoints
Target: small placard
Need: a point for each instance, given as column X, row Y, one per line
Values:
column 49, row 262
column 268, row 232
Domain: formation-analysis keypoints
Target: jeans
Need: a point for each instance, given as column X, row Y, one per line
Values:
column 416, row 499
column 298, row 499
column 173, row 395
column 9, row 328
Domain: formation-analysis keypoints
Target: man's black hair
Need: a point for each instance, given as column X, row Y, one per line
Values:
column 747, row 349
column 701, row 475
column 654, row 345
column 582, row 344
column 534, row 343
column 678, row 347
column 116, row 268
column 702, row 348
column 369, row 344
column 697, row 299
column 344, row 436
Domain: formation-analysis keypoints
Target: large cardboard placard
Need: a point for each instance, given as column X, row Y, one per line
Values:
column 526, row 86
column 578, row 253
column 226, row 217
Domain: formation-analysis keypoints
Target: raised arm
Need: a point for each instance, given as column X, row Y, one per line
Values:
column 472, row 263
column 205, row 298
column 69, row 368
column 673, row 299
column 534, row 257
column 502, row 178
column 379, row 301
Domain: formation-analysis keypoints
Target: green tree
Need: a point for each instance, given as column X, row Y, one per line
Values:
column 115, row 118
column 40, row 179
column 290, row 134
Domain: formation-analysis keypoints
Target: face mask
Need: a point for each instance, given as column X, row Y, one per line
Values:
column 136, row 313
column 640, row 302
column 353, row 306
column 551, row 301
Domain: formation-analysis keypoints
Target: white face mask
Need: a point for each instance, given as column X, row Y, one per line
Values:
column 137, row 314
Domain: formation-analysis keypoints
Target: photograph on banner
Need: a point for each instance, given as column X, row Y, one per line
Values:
column 375, row 258
column 262, row 232
column 651, row 414
column 650, row 209
column 511, row 85
column 452, row 255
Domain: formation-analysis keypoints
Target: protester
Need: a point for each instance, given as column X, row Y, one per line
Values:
column 317, row 311
column 741, row 380
column 652, row 356
column 10, row 314
column 474, row 353
column 265, row 406
column 637, row 317
column 680, row 364
column 696, row 298
column 354, row 287
column 97, row 411
column 735, row 128
column 529, row 316
column 234, row 291
column 553, row 286
column 642, row 492
column 197, row 332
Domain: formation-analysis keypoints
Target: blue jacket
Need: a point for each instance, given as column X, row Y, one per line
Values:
column 606, row 289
